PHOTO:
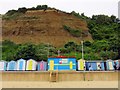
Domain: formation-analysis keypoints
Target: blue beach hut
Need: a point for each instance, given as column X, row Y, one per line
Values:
column 11, row 66
column 95, row 65
column 117, row 64
column 61, row 63
column 3, row 65
column 21, row 65
column 100, row 65
column 91, row 66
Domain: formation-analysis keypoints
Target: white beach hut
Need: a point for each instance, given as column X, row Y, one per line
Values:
column 21, row 65
column 3, row 65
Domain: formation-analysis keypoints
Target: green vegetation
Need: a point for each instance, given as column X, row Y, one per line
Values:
column 13, row 14
column 73, row 32
column 105, row 31
column 92, row 51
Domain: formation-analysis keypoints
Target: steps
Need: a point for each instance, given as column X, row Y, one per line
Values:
column 53, row 76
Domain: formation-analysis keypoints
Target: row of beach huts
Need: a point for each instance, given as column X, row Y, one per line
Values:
column 60, row 63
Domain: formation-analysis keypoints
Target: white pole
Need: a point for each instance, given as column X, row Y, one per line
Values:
column 48, row 49
column 82, row 51
column 58, row 52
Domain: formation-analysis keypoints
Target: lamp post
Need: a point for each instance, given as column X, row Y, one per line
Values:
column 58, row 52
column 82, row 50
column 83, row 57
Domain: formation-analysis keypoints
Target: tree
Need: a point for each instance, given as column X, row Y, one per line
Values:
column 44, row 7
column 115, row 41
column 113, row 18
column 71, row 46
column 100, row 45
column 8, row 50
column 26, row 51
column 102, row 19
column 22, row 10
column 87, row 43
column 39, row 7
column 11, row 12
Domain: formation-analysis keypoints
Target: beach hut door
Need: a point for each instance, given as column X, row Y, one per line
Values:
column 12, row 66
column 30, row 65
column 110, row 66
column 81, row 65
column 51, row 65
column 21, row 65
column 98, row 66
column 2, row 66
column 71, row 65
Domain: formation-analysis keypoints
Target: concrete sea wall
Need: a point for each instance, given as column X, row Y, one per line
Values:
column 62, row 76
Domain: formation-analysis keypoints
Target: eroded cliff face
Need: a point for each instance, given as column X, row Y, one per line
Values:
column 43, row 27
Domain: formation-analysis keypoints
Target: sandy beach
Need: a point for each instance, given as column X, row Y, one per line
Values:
column 64, row 84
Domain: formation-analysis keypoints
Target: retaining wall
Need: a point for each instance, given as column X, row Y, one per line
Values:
column 62, row 76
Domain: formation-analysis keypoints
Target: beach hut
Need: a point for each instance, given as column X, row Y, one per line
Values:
column 61, row 63
column 100, row 65
column 91, row 65
column 117, row 64
column 11, row 66
column 21, row 65
column 42, row 66
column 81, row 65
column 110, row 64
column 31, row 65
column 3, row 65
column 95, row 65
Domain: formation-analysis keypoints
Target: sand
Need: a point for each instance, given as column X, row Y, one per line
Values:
column 64, row 84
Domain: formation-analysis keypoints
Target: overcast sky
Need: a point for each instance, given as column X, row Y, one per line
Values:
column 88, row 7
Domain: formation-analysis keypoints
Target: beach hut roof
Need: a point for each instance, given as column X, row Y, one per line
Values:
column 31, row 59
column 109, row 60
column 12, row 61
column 81, row 59
column 3, row 61
column 62, row 57
column 21, row 59
column 96, row 61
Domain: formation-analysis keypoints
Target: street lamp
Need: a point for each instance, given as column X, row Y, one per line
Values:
column 82, row 50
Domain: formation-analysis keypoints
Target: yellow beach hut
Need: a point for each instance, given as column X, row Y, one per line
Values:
column 81, row 65
column 31, row 65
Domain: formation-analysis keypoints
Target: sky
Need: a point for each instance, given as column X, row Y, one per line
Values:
column 88, row 7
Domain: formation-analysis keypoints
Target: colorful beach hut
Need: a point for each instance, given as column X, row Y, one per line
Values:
column 61, row 63
column 11, row 66
column 31, row 65
column 117, row 64
column 42, row 66
column 21, row 65
column 91, row 65
column 3, row 65
column 95, row 65
column 110, row 64
column 81, row 65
